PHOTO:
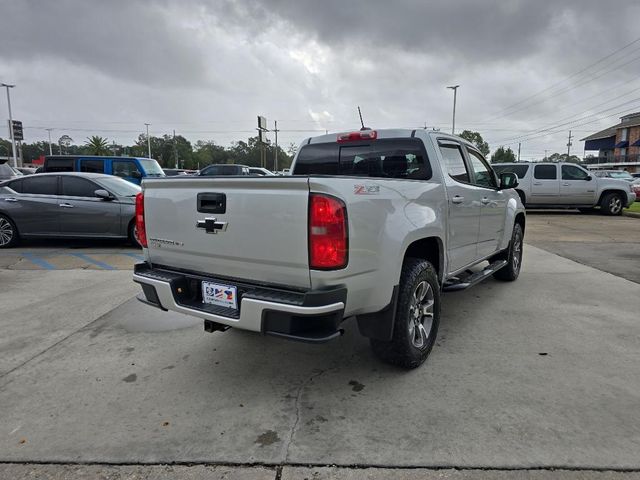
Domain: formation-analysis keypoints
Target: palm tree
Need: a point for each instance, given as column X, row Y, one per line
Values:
column 97, row 145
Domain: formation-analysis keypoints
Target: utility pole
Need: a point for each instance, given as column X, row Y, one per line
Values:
column 13, row 140
column 50, row 149
column 569, row 145
column 275, row 160
column 518, row 151
column 545, row 155
column 455, row 94
column 148, row 141
column 175, row 148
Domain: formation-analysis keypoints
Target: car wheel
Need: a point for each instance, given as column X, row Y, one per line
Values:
column 611, row 204
column 8, row 232
column 511, row 270
column 417, row 317
column 133, row 237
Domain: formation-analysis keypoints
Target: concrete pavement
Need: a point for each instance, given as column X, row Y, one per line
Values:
column 540, row 373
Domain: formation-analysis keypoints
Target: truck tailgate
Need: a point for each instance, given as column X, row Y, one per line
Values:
column 265, row 236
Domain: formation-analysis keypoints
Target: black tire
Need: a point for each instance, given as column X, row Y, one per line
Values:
column 9, row 235
column 513, row 256
column 414, row 334
column 612, row 204
column 133, row 239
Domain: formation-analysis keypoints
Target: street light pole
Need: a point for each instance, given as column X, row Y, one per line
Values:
column 455, row 94
column 13, row 140
column 50, row 149
column 148, row 141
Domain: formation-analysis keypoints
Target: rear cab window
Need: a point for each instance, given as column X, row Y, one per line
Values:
column 545, row 172
column 398, row 158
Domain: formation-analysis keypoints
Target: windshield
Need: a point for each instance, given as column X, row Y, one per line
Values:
column 151, row 167
column 118, row 186
column 622, row 175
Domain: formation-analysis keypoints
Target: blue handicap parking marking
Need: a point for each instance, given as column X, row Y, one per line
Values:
column 38, row 261
column 137, row 256
column 98, row 263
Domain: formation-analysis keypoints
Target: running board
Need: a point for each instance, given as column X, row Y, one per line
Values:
column 472, row 279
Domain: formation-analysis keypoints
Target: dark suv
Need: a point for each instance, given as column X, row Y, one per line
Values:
column 224, row 169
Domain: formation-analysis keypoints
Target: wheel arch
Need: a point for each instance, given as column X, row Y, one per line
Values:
column 622, row 193
column 430, row 249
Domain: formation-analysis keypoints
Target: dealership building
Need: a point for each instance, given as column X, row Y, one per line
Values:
column 618, row 146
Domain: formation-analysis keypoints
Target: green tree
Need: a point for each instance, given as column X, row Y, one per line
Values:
column 502, row 155
column 563, row 157
column 207, row 152
column 97, row 145
column 477, row 140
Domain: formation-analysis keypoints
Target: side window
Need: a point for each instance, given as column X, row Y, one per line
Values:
column 16, row 186
column 454, row 162
column 483, row 175
column 60, row 164
column 125, row 168
column 570, row 172
column 92, row 166
column 40, row 185
column 78, row 187
column 545, row 172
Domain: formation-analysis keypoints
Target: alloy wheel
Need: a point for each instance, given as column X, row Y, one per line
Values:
column 6, row 232
column 421, row 314
column 615, row 205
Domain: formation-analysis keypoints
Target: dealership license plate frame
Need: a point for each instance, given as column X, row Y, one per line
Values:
column 220, row 295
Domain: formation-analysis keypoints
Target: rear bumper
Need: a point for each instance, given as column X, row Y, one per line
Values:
column 312, row 316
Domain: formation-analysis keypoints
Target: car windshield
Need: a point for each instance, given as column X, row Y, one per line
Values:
column 151, row 167
column 621, row 175
column 118, row 186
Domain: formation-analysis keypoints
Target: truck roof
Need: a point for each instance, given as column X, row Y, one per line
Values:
column 387, row 133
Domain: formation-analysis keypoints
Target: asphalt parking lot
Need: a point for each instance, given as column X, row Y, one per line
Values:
column 538, row 374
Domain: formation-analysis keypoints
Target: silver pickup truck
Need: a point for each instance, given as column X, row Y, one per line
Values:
column 567, row 185
column 370, row 224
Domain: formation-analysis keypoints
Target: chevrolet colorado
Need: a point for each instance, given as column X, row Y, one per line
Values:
column 372, row 224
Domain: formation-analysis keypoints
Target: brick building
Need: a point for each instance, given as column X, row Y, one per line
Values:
column 618, row 146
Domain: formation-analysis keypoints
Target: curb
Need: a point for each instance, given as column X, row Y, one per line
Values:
column 631, row 214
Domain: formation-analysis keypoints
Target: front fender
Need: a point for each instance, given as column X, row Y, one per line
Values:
column 514, row 207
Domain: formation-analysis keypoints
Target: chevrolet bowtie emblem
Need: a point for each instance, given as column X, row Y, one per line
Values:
column 210, row 225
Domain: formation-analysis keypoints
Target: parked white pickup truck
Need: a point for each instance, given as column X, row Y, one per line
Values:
column 371, row 224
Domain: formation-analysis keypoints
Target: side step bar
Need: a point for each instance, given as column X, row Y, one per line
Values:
column 470, row 280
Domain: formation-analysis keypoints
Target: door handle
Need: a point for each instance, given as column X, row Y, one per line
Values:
column 537, row 183
column 66, row 205
column 485, row 200
column 10, row 199
column 565, row 184
column 457, row 199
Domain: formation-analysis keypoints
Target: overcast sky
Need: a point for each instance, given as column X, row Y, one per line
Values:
column 207, row 68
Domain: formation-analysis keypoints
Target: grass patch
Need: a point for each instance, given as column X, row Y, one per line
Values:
column 634, row 207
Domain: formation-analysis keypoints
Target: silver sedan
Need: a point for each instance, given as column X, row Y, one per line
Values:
column 74, row 205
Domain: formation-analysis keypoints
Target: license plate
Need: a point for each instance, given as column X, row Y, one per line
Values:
column 220, row 295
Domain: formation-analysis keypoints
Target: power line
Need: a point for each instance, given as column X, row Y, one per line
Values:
column 567, row 78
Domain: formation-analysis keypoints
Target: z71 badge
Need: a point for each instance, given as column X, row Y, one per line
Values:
column 366, row 189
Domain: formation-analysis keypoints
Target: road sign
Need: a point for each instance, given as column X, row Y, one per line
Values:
column 262, row 136
column 262, row 123
column 17, row 130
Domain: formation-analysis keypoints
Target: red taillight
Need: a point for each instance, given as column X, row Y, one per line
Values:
column 141, row 231
column 357, row 136
column 327, row 233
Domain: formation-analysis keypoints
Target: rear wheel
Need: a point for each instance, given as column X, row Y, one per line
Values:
column 133, row 236
column 611, row 204
column 417, row 317
column 513, row 256
column 8, row 232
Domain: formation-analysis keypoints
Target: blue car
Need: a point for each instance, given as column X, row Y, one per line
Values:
column 133, row 169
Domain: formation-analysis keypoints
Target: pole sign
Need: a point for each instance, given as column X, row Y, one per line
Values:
column 262, row 123
column 17, row 130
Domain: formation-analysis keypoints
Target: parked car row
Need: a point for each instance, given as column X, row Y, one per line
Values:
column 67, row 205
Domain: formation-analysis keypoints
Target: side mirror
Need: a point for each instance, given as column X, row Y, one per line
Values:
column 589, row 178
column 508, row 180
column 103, row 194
